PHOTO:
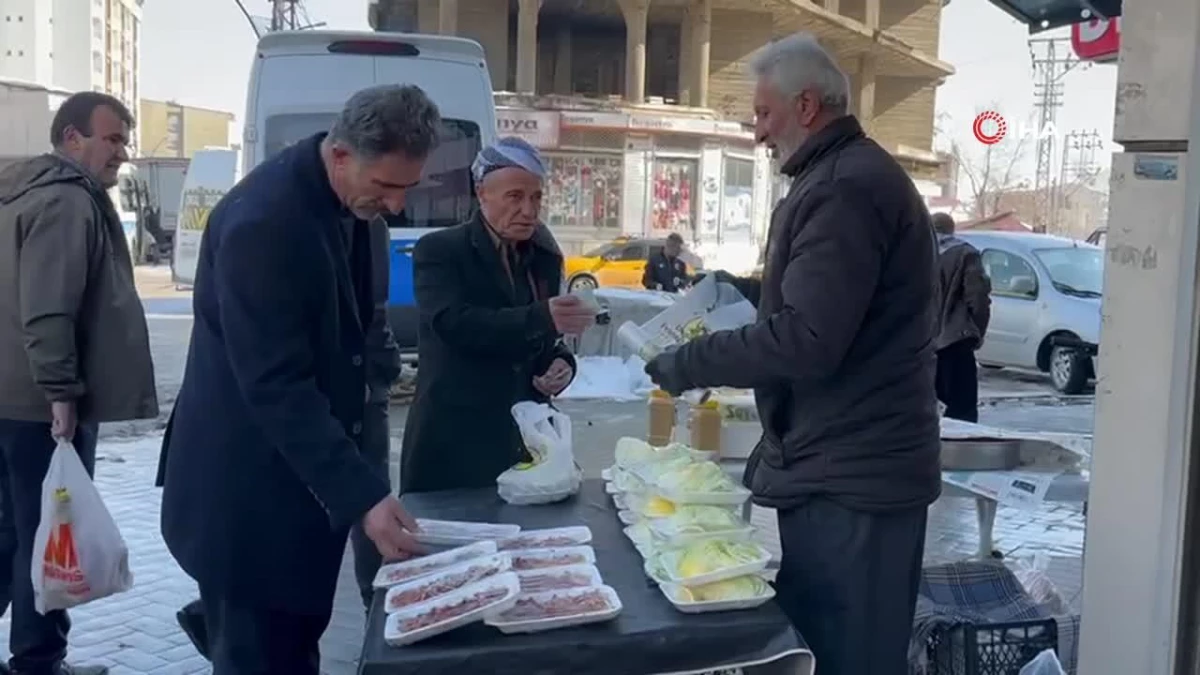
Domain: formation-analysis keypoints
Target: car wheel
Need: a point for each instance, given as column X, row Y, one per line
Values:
column 582, row 283
column 1068, row 370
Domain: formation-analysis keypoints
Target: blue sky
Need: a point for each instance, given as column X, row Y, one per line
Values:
column 181, row 61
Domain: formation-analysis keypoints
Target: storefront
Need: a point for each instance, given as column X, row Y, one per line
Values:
column 635, row 174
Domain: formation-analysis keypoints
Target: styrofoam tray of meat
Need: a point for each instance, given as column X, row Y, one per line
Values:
column 454, row 610
column 557, row 609
column 409, row 570
column 558, row 537
column 447, row 581
column 559, row 578
column 461, row 532
column 524, row 561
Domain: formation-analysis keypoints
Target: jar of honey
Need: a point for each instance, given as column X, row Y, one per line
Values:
column 705, row 423
column 662, row 418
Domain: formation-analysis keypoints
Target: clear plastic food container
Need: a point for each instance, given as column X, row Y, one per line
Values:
column 557, row 609
column 681, row 597
column 559, row 537
column 628, row 517
column 446, row 581
column 524, row 561
column 460, row 533
column 410, row 570
column 558, row 578
column 454, row 610
column 668, row 561
column 736, row 496
column 674, row 537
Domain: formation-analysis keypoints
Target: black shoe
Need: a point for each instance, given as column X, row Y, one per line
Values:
column 191, row 620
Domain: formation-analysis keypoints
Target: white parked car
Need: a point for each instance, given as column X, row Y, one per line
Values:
column 1046, row 294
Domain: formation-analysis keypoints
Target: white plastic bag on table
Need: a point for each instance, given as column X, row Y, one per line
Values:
column 78, row 552
column 552, row 475
column 1045, row 663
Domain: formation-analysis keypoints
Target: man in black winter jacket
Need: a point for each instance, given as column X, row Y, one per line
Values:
column 841, row 361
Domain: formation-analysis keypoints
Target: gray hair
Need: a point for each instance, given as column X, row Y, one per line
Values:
column 798, row 62
column 388, row 119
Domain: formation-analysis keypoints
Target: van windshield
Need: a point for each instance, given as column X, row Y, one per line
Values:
column 446, row 194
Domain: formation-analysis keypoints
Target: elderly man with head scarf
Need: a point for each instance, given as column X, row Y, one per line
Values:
column 491, row 321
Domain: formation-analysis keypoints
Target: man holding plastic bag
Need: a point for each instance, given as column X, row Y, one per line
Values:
column 842, row 365
column 490, row 321
column 74, row 352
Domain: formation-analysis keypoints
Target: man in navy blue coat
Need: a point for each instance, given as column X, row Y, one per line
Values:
column 263, row 474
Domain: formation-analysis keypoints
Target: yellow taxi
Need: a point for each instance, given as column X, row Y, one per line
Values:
column 619, row 263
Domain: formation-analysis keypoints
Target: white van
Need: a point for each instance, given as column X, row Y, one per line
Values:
column 212, row 173
column 301, row 80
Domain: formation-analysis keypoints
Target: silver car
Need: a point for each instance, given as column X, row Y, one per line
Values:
column 1046, row 293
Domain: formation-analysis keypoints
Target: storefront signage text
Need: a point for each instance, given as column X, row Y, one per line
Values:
column 539, row 128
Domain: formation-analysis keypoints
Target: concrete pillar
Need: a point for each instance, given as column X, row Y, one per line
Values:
column 636, row 15
column 701, row 51
column 686, row 58
column 427, row 16
column 562, row 60
column 871, row 14
column 833, row 6
column 865, row 96
column 447, row 17
column 527, row 45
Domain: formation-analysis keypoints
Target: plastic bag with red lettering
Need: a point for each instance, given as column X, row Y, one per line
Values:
column 78, row 552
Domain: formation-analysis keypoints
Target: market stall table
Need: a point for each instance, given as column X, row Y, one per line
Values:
column 648, row 637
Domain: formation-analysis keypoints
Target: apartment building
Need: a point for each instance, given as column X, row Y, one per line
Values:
column 643, row 108
column 169, row 129
column 74, row 45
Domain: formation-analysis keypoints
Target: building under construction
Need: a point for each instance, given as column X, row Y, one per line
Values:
column 642, row 108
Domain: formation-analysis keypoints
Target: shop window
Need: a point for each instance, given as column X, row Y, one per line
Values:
column 584, row 191
column 737, row 200
column 672, row 193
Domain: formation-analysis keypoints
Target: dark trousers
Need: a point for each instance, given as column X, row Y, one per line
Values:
column 247, row 640
column 848, row 582
column 375, row 450
column 958, row 381
column 37, row 642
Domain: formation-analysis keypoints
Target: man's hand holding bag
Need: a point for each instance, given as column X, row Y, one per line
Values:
column 78, row 552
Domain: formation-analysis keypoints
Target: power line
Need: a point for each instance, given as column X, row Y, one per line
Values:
column 1051, row 60
column 249, row 19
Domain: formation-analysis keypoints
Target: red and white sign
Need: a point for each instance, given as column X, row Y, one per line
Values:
column 1097, row 40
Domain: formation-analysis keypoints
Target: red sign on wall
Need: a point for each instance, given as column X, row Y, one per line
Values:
column 1097, row 40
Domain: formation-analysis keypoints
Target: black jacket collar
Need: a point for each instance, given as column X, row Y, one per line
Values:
column 838, row 133
column 312, row 170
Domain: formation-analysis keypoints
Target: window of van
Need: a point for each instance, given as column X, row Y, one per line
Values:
column 446, row 194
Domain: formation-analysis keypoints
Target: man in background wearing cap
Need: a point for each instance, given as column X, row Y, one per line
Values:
column 666, row 271
column 490, row 321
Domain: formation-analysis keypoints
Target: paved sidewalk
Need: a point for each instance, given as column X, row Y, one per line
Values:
column 135, row 633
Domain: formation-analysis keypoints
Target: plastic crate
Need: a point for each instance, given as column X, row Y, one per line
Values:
column 990, row 649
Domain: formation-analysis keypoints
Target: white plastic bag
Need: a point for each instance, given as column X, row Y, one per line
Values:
column 551, row 476
column 78, row 552
column 1045, row 663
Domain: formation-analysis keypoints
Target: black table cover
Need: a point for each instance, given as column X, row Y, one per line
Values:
column 649, row 636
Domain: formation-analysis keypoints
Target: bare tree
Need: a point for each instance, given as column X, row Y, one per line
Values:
column 990, row 172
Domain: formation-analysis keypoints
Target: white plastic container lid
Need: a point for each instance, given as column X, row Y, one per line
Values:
column 558, row 537
column 517, row 625
column 552, row 557
column 502, row 589
column 667, row 563
column 460, row 533
column 410, row 570
column 675, row 593
column 558, row 578
column 447, row 581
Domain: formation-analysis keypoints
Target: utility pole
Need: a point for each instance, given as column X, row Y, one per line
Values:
column 1078, row 167
column 1051, row 59
column 284, row 15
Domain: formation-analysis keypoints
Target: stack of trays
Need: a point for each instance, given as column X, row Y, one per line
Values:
column 525, row 582
column 694, row 542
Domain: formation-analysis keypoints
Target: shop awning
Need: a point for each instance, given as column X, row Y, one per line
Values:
column 1043, row 15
